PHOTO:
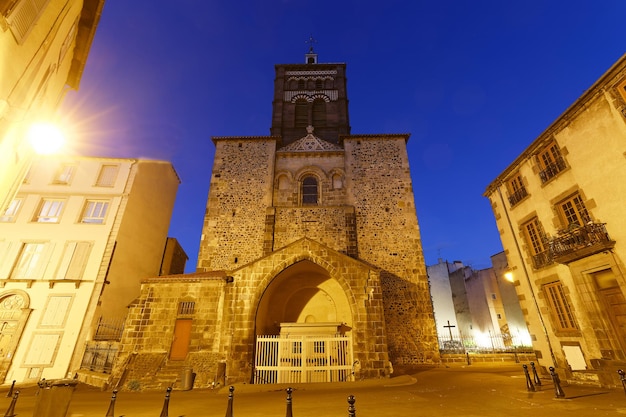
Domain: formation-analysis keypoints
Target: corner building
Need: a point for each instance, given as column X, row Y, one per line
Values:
column 310, row 266
column 559, row 207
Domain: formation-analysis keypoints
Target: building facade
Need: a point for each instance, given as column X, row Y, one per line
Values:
column 43, row 50
column 559, row 210
column 75, row 244
column 476, row 310
column 310, row 265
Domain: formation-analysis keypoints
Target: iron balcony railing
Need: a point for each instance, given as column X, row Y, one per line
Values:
column 517, row 196
column 579, row 242
column 552, row 169
column 542, row 259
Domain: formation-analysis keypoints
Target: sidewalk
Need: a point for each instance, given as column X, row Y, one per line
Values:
column 468, row 391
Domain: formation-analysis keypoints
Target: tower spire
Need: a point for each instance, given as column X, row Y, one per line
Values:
column 311, row 56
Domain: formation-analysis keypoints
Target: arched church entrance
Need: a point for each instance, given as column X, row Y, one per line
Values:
column 303, row 328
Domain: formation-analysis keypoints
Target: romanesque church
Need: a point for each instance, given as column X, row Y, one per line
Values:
column 310, row 266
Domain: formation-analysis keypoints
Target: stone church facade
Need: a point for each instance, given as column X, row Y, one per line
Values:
column 310, row 234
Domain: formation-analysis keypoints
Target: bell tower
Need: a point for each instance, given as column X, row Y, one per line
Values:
column 310, row 94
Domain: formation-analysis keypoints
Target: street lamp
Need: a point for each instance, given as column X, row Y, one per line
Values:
column 45, row 138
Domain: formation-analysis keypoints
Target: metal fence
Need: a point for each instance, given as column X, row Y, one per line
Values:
column 109, row 328
column 99, row 356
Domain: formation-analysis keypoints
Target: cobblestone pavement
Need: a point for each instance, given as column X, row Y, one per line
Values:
column 486, row 391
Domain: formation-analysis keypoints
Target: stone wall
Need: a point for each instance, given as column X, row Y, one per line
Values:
column 326, row 225
column 380, row 188
column 149, row 331
column 240, row 191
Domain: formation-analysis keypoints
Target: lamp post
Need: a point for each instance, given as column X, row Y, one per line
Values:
column 511, row 278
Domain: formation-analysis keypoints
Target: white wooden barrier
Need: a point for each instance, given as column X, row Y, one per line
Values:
column 300, row 358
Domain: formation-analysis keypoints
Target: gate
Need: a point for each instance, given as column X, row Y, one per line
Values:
column 297, row 359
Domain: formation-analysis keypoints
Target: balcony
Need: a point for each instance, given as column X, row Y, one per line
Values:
column 542, row 259
column 518, row 196
column 552, row 170
column 580, row 242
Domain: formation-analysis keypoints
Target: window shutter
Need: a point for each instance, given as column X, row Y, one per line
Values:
column 74, row 260
column 5, row 265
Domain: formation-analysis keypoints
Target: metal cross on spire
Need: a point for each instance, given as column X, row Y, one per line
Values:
column 311, row 41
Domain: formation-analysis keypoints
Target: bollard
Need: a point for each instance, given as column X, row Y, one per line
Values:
column 289, row 413
column 622, row 377
column 229, row 408
column 11, row 410
column 468, row 358
column 558, row 391
column 535, row 375
column 351, row 409
column 10, row 393
column 166, row 402
column 529, row 382
column 110, row 411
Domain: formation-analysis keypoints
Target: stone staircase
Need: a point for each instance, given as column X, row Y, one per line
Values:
column 167, row 375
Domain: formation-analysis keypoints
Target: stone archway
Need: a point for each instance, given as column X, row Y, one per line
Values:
column 303, row 325
column 302, row 293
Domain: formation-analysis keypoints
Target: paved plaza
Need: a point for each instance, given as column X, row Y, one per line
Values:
column 468, row 391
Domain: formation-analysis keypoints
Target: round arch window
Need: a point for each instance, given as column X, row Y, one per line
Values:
column 309, row 190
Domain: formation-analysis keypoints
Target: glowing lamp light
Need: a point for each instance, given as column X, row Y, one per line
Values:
column 508, row 275
column 45, row 138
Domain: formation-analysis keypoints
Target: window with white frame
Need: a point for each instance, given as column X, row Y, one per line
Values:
column 107, row 175
column 31, row 261
column 95, row 211
column 64, row 174
column 11, row 212
column 49, row 210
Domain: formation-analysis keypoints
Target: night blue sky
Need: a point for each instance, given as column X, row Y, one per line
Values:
column 474, row 82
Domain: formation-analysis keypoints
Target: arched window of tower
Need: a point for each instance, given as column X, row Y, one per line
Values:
column 319, row 113
column 302, row 113
column 309, row 190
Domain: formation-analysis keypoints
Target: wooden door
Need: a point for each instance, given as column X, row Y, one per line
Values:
column 616, row 304
column 182, row 337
